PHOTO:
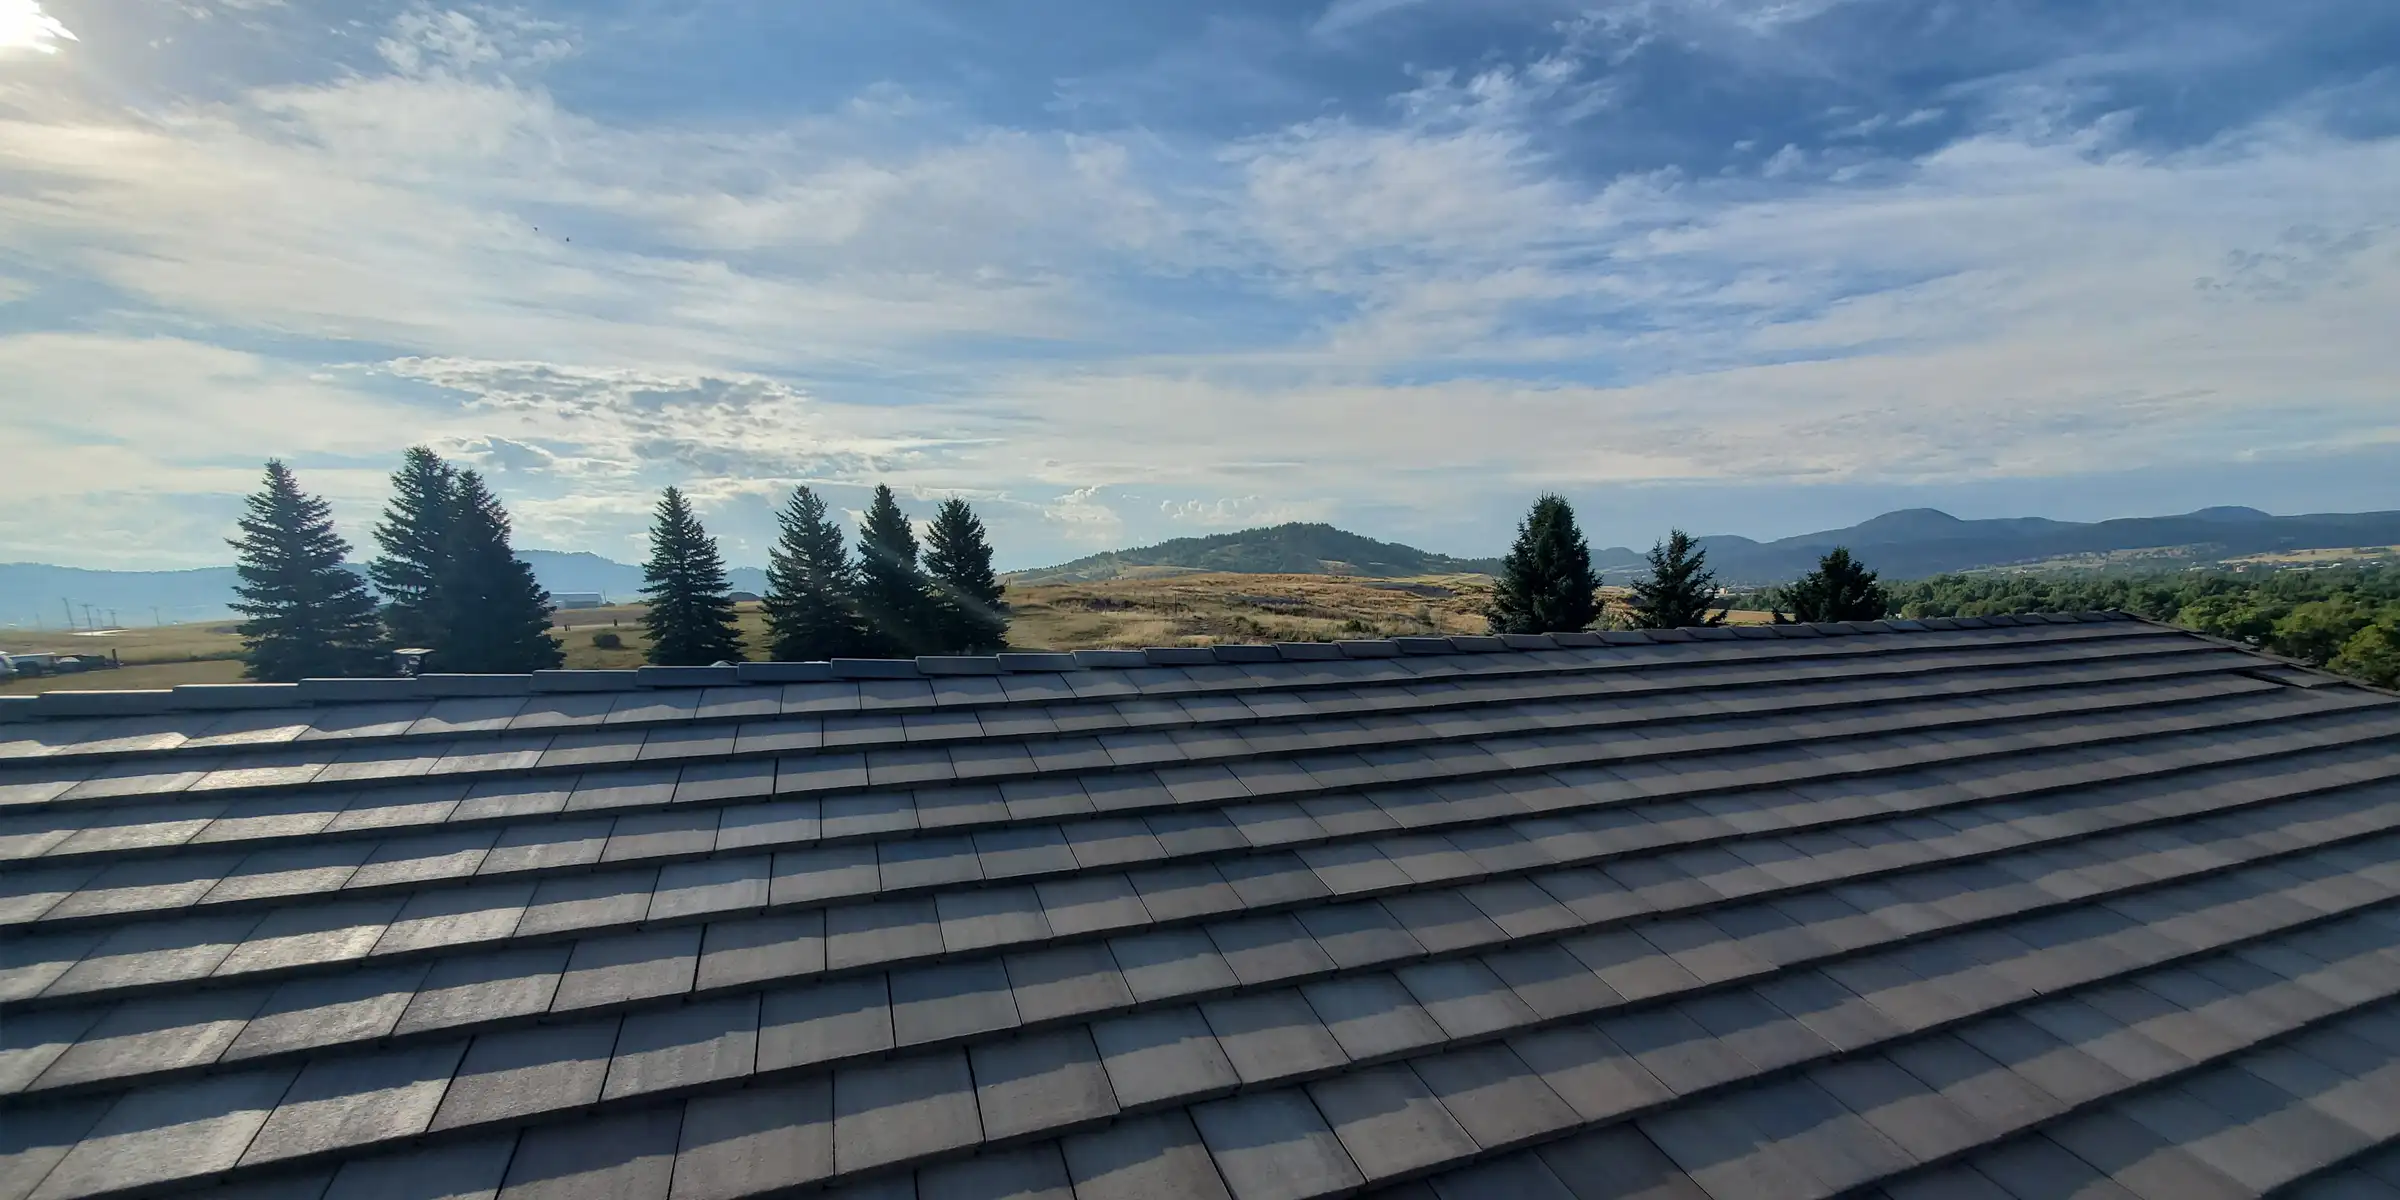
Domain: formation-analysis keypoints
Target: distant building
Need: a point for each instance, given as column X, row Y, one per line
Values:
column 577, row 599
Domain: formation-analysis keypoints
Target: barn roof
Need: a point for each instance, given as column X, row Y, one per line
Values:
column 1993, row 907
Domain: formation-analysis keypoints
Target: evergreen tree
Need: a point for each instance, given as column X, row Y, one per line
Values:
column 1546, row 583
column 1840, row 589
column 489, row 614
column 1680, row 589
column 812, row 601
column 412, row 536
column 308, row 616
column 891, row 587
column 690, row 617
column 967, row 613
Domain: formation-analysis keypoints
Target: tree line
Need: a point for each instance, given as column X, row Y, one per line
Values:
column 445, row 581
column 2346, row 620
column 892, row 601
column 1547, row 585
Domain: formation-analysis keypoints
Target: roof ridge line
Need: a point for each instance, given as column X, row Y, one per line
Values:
column 192, row 697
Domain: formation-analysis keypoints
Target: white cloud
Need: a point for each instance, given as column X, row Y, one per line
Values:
column 1084, row 517
column 25, row 28
column 1425, row 310
column 428, row 41
column 1229, row 512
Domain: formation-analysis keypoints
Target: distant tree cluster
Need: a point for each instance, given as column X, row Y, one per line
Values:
column 446, row 581
column 449, row 581
column 2345, row 620
column 892, row 601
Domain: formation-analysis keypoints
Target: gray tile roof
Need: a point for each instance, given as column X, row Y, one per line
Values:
column 2010, row 907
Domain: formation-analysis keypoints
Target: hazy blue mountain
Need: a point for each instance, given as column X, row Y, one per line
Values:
column 39, row 592
column 1913, row 543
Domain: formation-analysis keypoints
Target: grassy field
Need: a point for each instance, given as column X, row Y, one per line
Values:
column 2345, row 556
column 1164, row 609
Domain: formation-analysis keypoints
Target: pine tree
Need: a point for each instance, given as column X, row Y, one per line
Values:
column 489, row 614
column 812, row 601
column 690, row 617
column 967, row 613
column 1840, row 589
column 412, row 536
column 308, row 616
column 891, row 587
column 1680, row 588
column 1546, row 583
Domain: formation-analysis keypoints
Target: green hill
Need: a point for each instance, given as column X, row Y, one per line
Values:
column 1294, row 549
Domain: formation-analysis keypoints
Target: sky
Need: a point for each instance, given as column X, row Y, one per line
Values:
column 1120, row 272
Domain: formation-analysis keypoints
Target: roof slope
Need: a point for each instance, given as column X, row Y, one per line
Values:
column 2003, row 907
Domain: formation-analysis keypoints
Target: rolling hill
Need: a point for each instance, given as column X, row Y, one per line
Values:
column 1293, row 549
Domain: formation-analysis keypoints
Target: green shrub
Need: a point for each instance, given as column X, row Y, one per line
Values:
column 607, row 639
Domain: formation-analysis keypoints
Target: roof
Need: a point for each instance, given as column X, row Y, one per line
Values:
column 1996, row 907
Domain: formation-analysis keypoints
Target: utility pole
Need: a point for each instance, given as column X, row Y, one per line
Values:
column 68, row 605
column 154, row 616
column 87, row 617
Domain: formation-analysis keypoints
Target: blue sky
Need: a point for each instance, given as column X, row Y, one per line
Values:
column 1119, row 272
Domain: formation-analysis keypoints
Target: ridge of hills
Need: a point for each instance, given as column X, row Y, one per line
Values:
column 1905, row 544
column 1297, row 548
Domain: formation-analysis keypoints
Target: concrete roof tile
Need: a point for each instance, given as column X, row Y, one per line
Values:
column 906, row 1108
column 759, row 1139
column 1274, row 1146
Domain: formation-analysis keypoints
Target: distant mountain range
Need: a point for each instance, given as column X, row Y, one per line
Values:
column 1917, row 542
column 1908, row 544
column 1294, row 549
column 31, row 592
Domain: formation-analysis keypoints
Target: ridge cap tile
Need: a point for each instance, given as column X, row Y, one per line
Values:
column 1037, row 660
column 1111, row 658
column 1179, row 656
column 957, row 664
column 680, row 677
column 584, row 681
column 450, row 684
column 875, row 668
column 784, row 672
column 1246, row 653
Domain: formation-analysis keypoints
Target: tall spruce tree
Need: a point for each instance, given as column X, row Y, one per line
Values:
column 1840, row 589
column 812, row 600
column 306, row 615
column 1546, row 583
column 892, row 590
column 1680, row 590
column 413, row 536
column 489, row 614
column 690, row 617
column 968, row 615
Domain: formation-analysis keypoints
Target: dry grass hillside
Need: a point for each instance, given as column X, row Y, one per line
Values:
column 1165, row 609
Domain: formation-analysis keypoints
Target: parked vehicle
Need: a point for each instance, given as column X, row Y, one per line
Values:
column 32, row 664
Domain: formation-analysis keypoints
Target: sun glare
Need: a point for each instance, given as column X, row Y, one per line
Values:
column 24, row 26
